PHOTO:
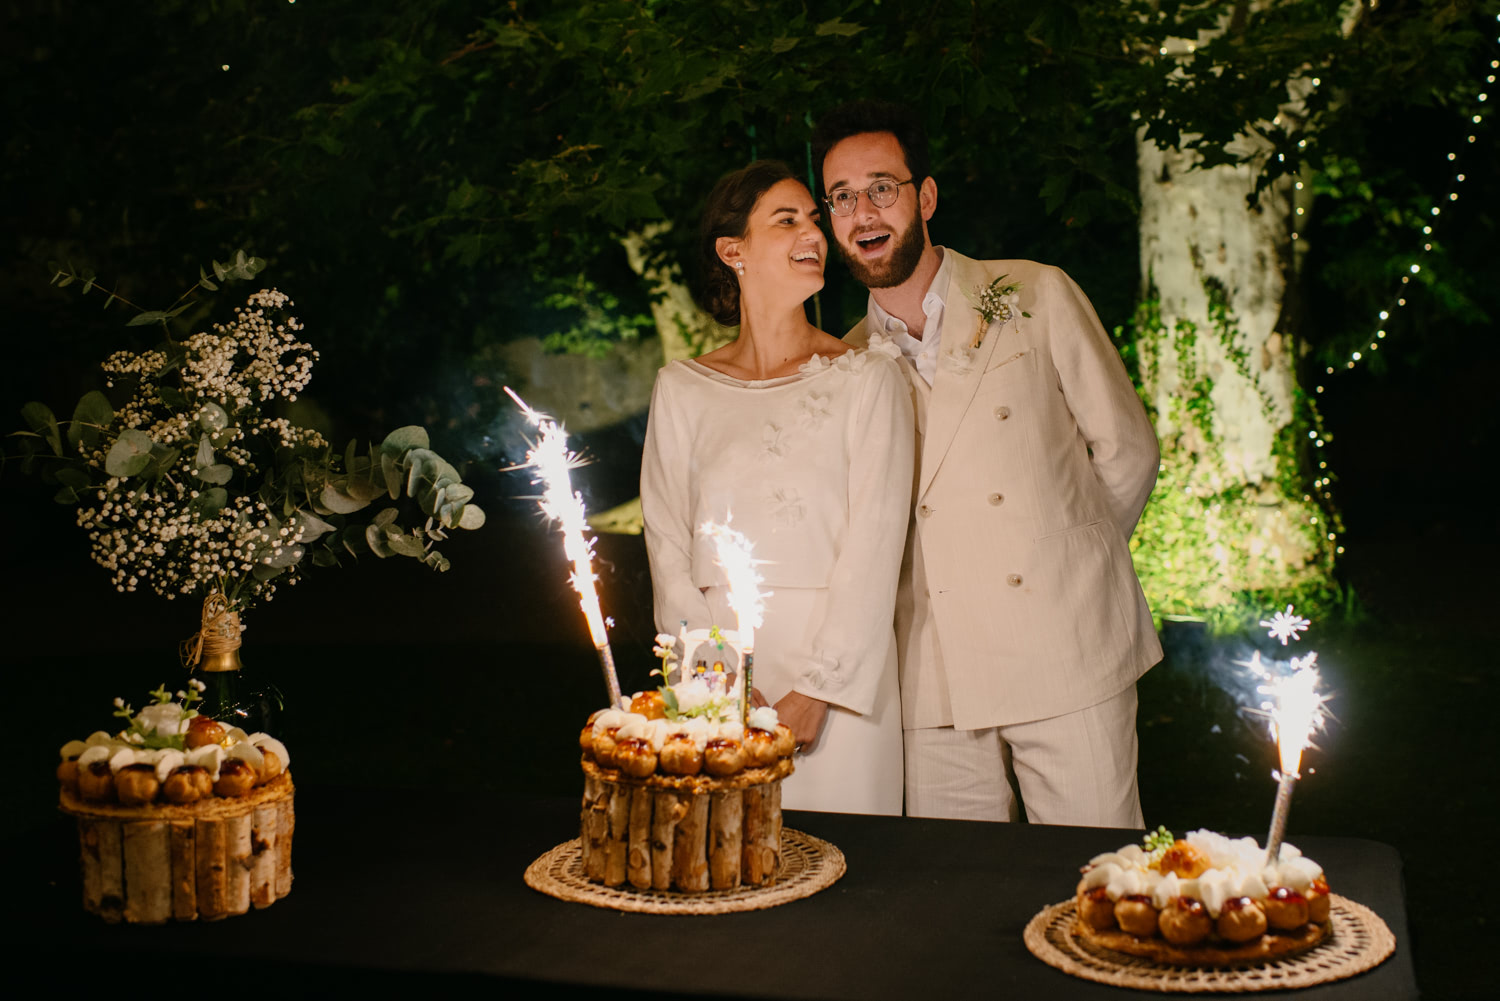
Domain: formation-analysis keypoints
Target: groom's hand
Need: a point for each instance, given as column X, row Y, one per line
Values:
column 805, row 716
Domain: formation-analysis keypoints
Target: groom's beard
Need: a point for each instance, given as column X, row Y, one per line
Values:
column 905, row 255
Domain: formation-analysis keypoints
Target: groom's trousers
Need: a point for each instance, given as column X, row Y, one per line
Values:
column 1078, row 769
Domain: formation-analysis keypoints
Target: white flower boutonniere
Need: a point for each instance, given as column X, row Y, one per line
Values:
column 998, row 300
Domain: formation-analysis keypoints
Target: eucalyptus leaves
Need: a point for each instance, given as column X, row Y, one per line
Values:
column 191, row 485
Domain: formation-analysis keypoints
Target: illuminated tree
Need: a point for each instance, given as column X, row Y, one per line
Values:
column 431, row 175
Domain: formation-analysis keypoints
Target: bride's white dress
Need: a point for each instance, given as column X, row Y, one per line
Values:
column 816, row 470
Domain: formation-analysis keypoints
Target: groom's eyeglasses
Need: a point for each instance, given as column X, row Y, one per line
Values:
column 883, row 194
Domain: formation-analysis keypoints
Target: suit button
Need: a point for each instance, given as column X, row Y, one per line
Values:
column 925, row 511
column 1014, row 580
column 1001, row 413
column 997, row 499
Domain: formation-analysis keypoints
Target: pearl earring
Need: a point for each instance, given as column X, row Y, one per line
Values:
column 739, row 268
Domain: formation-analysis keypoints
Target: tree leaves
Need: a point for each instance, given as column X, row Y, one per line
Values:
column 837, row 26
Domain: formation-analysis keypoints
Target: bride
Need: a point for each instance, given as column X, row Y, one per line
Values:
column 808, row 444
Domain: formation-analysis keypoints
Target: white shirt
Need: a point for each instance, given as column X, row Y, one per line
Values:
column 923, row 352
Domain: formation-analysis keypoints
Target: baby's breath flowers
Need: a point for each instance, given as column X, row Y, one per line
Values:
column 1156, row 842
column 999, row 300
column 192, row 484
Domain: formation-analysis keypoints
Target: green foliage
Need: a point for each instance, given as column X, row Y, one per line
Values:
column 1208, row 545
column 598, row 323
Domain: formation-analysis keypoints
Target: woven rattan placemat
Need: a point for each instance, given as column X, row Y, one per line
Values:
column 1357, row 941
column 808, row 864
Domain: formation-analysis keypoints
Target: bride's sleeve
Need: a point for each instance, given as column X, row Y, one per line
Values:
column 851, row 645
column 667, row 511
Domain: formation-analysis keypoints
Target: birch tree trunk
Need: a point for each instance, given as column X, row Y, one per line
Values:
column 1218, row 371
column 685, row 330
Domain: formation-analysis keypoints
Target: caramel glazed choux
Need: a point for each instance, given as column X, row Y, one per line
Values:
column 642, row 741
column 1204, row 889
column 170, row 754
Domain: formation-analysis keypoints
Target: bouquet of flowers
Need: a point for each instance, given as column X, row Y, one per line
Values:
column 190, row 484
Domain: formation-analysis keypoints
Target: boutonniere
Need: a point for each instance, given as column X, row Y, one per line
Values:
column 996, row 301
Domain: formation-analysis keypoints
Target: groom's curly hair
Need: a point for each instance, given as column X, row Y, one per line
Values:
column 727, row 213
column 858, row 117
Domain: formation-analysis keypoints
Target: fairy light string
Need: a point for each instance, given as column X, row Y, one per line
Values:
column 1384, row 318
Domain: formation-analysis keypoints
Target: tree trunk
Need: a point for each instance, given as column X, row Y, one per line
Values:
column 685, row 330
column 1230, row 514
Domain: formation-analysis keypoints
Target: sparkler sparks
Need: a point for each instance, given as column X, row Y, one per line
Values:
column 1285, row 625
column 733, row 554
column 1296, row 711
column 551, row 460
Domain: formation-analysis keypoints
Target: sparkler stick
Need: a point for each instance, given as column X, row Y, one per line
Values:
column 550, row 457
column 733, row 554
column 1297, row 714
column 1295, row 709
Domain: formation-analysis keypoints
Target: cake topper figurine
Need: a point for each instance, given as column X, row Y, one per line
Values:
column 1295, row 708
column 550, row 457
column 733, row 552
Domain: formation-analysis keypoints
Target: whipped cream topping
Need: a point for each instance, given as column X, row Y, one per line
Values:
column 697, row 728
column 764, row 718
column 1237, row 868
column 166, row 720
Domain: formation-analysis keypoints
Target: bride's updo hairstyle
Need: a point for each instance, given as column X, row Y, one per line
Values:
column 727, row 213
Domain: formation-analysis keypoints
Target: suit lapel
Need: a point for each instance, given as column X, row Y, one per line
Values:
column 959, row 366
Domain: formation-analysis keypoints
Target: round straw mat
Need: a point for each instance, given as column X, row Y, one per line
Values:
column 1357, row 941
column 808, row 864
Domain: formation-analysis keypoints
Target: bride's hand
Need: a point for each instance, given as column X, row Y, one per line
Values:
column 757, row 699
column 805, row 716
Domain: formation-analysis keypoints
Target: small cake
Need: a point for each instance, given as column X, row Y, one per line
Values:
column 179, row 816
column 1202, row 900
column 681, row 792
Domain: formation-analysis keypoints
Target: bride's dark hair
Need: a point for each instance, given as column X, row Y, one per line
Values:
column 727, row 213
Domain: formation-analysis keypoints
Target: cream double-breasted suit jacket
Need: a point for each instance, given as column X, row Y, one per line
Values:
column 1018, row 600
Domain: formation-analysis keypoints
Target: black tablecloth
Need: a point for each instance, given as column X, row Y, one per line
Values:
column 409, row 890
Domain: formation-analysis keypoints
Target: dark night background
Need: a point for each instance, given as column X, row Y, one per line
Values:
column 98, row 169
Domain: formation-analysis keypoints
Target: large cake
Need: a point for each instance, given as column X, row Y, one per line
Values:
column 1202, row 900
column 179, row 816
column 682, row 788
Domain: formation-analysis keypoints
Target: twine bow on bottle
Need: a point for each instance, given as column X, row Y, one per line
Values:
column 215, row 646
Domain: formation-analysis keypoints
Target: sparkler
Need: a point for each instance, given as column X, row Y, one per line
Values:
column 550, row 457
column 733, row 555
column 1295, row 709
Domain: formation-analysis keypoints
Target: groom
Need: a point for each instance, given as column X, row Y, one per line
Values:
column 1020, row 623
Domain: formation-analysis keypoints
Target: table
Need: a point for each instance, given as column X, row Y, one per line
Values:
column 401, row 890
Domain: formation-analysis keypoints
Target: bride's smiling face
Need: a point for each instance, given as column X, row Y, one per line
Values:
column 783, row 246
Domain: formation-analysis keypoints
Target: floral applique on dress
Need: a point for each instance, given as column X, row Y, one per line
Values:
column 852, row 361
column 813, row 365
column 775, row 441
column 813, row 410
column 883, row 343
column 785, row 504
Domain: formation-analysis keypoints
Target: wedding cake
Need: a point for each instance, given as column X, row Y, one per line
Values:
column 1202, row 900
column 179, row 816
column 682, row 789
